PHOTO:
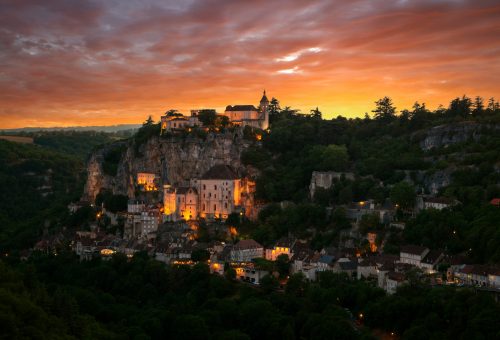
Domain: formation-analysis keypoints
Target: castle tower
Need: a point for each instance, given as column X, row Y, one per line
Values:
column 264, row 108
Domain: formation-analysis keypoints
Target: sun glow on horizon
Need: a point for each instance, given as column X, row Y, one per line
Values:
column 109, row 64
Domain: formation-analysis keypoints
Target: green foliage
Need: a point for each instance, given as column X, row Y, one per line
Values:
column 385, row 110
column 112, row 203
column 78, row 143
column 328, row 158
column 112, row 157
column 146, row 132
column 403, row 194
column 473, row 230
column 200, row 255
column 207, row 117
column 37, row 185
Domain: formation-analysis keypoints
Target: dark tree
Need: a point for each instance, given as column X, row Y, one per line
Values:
column 207, row 117
column 384, row 109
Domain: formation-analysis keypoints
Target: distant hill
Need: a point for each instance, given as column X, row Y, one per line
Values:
column 110, row 128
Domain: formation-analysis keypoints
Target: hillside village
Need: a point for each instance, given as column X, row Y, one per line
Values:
column 290, row 204
column 181, row 220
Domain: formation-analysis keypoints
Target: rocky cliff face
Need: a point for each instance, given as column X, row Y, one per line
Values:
column 174, row 159
column 445, row 135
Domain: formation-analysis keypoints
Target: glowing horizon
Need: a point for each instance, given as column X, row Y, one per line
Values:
column 116, row 62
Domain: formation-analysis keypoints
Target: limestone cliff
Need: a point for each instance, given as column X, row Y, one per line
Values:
column 175, row 159
column 445, row 135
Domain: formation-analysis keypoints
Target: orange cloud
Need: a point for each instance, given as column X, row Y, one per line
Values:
column 111, row 62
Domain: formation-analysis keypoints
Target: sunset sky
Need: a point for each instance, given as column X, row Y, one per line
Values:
column 66, row 63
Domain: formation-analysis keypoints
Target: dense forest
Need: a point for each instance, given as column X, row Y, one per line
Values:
column 59, row 297
column 37, row 185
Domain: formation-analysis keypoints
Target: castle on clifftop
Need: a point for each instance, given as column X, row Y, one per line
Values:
column 240, row 115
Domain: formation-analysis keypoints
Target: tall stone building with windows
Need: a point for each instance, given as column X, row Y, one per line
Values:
column 216, row 194
column 220, row 192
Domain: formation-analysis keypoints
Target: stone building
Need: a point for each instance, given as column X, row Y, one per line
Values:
column 180, row 203
column 220, row 192
column 325, row 180
column 249, row 115
column 246, row 251
column 216, row 194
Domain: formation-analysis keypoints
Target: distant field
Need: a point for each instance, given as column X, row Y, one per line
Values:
column 18, row 139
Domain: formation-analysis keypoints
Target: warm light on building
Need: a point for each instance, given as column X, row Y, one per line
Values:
column 107, row 252
column 233, row 231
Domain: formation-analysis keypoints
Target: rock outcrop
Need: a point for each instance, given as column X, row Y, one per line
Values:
column 445, row 135
column 175, row 159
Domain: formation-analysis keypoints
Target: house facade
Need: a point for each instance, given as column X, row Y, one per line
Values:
column 246, row 251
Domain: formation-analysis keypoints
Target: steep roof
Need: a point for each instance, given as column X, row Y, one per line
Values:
column 247, row 244
column 241, row 108
column 411, row 249
column 185, row 190
column 348, row 265
column 432, row 257
column 220, row 171
column 264, row 98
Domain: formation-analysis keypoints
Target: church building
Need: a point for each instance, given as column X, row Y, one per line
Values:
column 250, row 115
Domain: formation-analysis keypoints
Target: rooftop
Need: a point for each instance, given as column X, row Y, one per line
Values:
column 414, row 250
column 247, row 244
column 241, row 108
column 220, row 171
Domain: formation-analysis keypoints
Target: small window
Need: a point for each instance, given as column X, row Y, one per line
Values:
column 204, row 187
column 215, row 187
column 225, row 205
column 215, row 207
column 203, row 206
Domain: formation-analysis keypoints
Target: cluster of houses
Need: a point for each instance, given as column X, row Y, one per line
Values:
column 177, row 244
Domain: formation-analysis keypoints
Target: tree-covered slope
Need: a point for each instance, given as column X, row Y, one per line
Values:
column 36, row 186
